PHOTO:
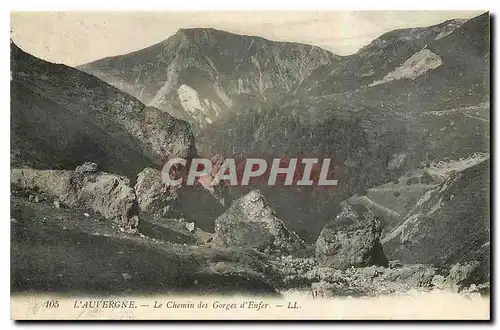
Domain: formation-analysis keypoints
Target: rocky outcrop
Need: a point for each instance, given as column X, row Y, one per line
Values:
column 108, row 194
column 154, row 196
column 251, row 222
column 351, row 240
column 87, row 167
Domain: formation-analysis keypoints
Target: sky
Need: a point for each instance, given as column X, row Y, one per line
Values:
column 75, row 38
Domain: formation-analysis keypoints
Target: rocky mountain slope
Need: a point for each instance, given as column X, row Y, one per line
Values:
column 62, row 117
column 376, row 61
column 449, row 223
column 416, row 77
column 202, row 74
column 411, row 112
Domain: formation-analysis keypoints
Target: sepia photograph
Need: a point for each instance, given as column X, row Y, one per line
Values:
column 250, row 165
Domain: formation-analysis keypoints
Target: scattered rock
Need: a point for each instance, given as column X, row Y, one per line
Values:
column 13, row 220
column 482, row 289
column 352, row 239
column 126, row 276
column 57, row 203
column 467, row 277
column 190, row 226
column 396, row 161
column 373, row 280
column 462, row 272
column 461, row 276
column 324, row 289
column 292, row 272
column 87, row 167
column 86, row 215
column 395, row 264
column 250, row 222
column 439, row 282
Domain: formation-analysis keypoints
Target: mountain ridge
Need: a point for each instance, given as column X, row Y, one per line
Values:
column 214, row 70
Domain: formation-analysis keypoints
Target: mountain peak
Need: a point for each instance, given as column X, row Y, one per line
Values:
column 197, row 30
column 203, row 31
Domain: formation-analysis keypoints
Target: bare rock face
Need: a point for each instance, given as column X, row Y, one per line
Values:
column 164, row 135
column 351, row 240
column 251, row 222
column 104, row 193
column 154, row 196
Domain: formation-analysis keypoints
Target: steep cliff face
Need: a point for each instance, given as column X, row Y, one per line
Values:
column 62, row 117
column 201, row 74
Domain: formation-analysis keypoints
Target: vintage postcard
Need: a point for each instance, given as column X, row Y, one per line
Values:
column 250, row 165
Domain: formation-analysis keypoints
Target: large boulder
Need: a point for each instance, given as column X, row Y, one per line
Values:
column 154, row 196
column 161, row 201
column 250, row 222
column 87, row 167
column 352, row 239
column 107, row 194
